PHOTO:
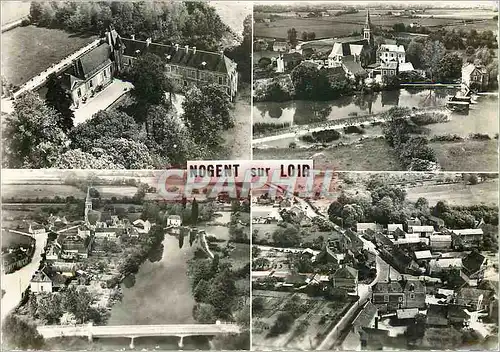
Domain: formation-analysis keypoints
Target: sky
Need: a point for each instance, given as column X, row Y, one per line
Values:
column 465, row 4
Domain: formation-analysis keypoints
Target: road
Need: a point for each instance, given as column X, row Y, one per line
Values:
column 40, row 79
column 17, row 282
column 51, row 331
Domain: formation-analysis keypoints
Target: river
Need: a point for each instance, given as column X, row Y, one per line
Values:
column 481, row 118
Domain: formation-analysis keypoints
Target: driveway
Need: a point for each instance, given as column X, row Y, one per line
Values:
column 102, row 100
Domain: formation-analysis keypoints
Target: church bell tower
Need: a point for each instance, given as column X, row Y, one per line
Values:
column 367, row 31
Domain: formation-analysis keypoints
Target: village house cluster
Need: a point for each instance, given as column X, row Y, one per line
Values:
column 353, row 58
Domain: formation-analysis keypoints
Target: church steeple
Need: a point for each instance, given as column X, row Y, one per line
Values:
column 367, row 31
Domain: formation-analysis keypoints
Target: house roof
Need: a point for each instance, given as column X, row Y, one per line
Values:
column 473, row 262
column 393, row 227
column 468, row 69
column 92, row 61
column 407, row 313
column 440, row 238
column 387, row 287
column 198, row 59
column 446, row 263
column 414, row 286
column 392, row 48
column 465, row 232
column 389, row 65
column 40, row 276
column 366, row 225
column 346, row 272
column 423, row 254
column 353, row 67
column 406, row 66
column 423, row 228
column 456, row 312
column 366, row 315
column 296, row 279
column 467, row 295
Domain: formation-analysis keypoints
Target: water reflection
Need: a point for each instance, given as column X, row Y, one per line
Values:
column 390, row 98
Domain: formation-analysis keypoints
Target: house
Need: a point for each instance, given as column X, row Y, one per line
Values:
column 16, row 259
column 73, row 247
column 413, row 222
column 41, row 282
column 387, row 53
column 295, row 280
column 388, row 296
column 401, row 260
column 422, row 257
column 84, row 231
column 436, row 266
column 475, row 77
column 89, row 73
column 345, row 278
column 414, row 291
column 184, row 66
column 361, row 227
column 467, row 238
column 474, row 265
column 423, row 231
column 174, row 221
column 145, row 226
column 389, row 69
column 391, row 228
column 406, row 313
column 36, row 229
column 281, row 46
column 287, row 62
column 440, row 242
column 406, row 67
column 106, row 233
column 366, row 318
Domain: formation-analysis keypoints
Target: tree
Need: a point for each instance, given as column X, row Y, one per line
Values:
column 32, row 136
column 352, row 214
column 194, row 212
column 432, row 55
column 286, row 237
column 150, row 82
column 416, row 329
column 201, row 290
column 422, row 204
column 450, row 67
column 292, row 36
column 311, row 83
column 60, row 100
column 283, row 323
column 169, row 137
column 104, row 126
column 19, row 334
column 204, row 313
column 207, row 113
column 76, row 159
column 257, row 305
column 131, row 154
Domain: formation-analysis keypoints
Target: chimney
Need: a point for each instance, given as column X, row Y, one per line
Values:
column 376, row 322
column 148, row 41
column 222, row 53
column 194, row 50
column 132, row 36
column 187, row 48
column 176, row 47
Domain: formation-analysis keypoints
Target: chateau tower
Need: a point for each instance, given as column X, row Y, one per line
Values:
column 88, row 205
column 367, row 31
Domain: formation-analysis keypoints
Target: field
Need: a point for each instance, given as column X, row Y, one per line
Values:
column 469, row 155
column 240, row 256
column 457, row 193
column 116, row 191
column 370, row 155
column 345, row 25
column 33, row 191
column 27, row 51
column 13, row 11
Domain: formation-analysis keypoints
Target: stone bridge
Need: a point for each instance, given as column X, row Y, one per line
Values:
column 133, row 331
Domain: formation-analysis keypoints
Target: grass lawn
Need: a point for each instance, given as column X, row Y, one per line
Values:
column 240, row 256
column 457, row 193
column 27, row 51
column 469, row 155
column 369, row 155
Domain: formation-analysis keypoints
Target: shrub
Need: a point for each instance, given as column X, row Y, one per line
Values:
column 353, row 129
column 479, row 136
column 427, row 118
column 447, row 138
column 262, row 127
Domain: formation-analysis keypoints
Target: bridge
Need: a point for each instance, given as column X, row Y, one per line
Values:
column 134, row 331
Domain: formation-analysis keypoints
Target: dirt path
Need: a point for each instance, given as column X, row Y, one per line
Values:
column 238, row 138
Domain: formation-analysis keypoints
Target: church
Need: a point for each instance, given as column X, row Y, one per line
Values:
column 353, row 50
column 94, row 70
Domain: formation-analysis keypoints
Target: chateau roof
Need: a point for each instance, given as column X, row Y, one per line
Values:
column 192, row 58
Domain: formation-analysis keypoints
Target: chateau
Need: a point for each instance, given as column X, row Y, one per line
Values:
column 94, row 70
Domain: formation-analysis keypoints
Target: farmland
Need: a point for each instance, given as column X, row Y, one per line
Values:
column 469, row 155
column 373, row 155
column 457, row 193
column 345, row 25
column 27, row 51
column 33, row 191
column 116, row 191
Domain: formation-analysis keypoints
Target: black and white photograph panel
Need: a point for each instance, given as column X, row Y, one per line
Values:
column 125, row 85
column 103, row 260
column 384, row 261
column 337, row 81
